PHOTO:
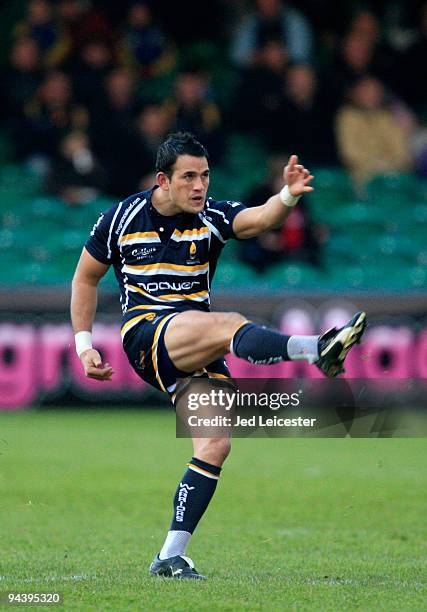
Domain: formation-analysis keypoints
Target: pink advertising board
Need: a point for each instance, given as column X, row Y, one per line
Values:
column 38, row 362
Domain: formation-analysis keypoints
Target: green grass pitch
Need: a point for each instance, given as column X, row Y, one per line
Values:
column 296, row 524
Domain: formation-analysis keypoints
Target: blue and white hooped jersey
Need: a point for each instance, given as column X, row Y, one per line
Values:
column 155, row 275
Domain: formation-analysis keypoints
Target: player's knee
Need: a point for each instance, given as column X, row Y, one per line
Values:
column 214, row 450
column 226, row 324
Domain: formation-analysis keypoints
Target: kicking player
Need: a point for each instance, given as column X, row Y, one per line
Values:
column 164, row 244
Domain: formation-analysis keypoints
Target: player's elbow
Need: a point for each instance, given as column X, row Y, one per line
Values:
column 267, row 225
column 89, row 271
column 249, row 232
column 84, row 277
column 261, row 226
column 274, row 225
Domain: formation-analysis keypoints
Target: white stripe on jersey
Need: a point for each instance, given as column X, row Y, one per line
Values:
column 189, row 238
column 168, row 271
column 211, row 227
column 142, row 292
column 201, row 296
column 219, row 212
column 144, row 240
column 129, row 219
column 111, row 230
column 149, row 307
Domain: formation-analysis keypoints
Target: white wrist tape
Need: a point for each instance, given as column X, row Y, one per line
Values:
column 287, row 198
column 83, row 341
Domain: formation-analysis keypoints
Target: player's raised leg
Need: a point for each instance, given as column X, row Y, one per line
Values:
column 194, row 339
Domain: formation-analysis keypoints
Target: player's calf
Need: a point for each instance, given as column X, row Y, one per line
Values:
column 192, row 497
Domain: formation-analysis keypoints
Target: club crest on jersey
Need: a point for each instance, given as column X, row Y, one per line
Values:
column 193, row 253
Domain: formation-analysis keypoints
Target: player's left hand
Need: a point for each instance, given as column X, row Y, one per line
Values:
column 93, row 366
column 296, row 177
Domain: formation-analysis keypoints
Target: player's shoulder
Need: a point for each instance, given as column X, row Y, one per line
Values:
column 223, row 205
column 225, row 210
column 120, row 211
column 219, row 216
column 134, row 200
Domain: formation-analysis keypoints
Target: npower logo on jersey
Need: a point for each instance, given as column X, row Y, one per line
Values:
column 165, row 286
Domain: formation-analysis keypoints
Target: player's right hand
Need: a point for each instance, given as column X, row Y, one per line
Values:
column 93, row 366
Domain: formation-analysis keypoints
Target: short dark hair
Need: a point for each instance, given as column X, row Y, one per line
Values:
column 180, row 143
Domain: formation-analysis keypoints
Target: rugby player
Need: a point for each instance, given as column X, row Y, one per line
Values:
column 164, row 244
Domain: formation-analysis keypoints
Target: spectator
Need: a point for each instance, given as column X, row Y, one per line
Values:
column 49, row 115
column 259, row 97
column 362, row 52
column 117, row 146
column 129, row 146
column 81, row 21
column 305, row 122
column 270, row 19
column 120, row 91
column 70, row 13
column 21, row 78
column 370, row 141
column 296, row 240
column 352, row 61
column 41, row 26
column 94, row 62
column 118, row 108
column 76, row 176
column 145, row 43
column 365, row 25
column 193, row 110
column 153, row 126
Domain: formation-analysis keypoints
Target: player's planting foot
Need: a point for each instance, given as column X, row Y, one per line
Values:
column 179, row 567
column 335, row 344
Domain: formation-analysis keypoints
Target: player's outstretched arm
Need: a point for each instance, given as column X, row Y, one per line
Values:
column 88, row 273
column 254, row 221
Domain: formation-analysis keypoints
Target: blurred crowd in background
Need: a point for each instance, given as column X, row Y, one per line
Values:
column 90, row 89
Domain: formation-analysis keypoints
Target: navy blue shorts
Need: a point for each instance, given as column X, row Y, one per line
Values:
column 145, row 348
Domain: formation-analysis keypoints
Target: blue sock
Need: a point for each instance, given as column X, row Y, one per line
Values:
column 193, row 494
column 260, row 345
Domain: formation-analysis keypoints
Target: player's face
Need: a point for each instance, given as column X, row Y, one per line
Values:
column 189, row 183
